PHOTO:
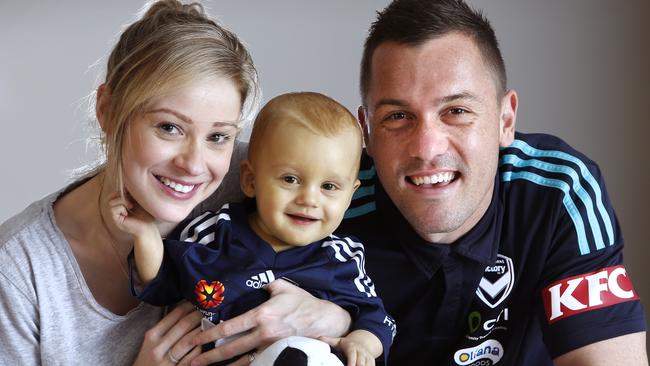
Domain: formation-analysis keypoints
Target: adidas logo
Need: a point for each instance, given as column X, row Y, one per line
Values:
column 261, row 279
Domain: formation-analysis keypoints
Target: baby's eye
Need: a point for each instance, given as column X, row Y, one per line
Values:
column 329, row 186
column 290, row 179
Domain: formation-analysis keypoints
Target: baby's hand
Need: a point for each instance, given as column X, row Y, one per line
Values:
column 130, row 218
column 355, row 349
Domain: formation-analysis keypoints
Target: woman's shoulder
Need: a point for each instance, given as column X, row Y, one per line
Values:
column 33, row 220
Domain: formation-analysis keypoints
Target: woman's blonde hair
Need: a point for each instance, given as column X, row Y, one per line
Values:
column 172, row 46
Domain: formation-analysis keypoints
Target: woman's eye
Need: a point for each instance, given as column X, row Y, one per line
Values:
column 329, row 186
column 220, row 138
column 169, row 128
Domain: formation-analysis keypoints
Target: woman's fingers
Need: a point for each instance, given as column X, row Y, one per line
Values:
column 169, row 320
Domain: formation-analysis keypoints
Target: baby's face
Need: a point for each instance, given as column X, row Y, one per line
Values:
column 303, row 184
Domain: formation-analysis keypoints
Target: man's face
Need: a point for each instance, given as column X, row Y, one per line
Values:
column 436, row 124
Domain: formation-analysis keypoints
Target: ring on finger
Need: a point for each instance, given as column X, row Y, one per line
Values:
column 251, row 357
column 171, row 357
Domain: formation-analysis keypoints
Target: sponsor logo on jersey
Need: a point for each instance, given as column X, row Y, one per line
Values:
column 261, row 280
column 477, row 322
column 497, row 282
column 588, row 291
column 490, row 351
column 209, row 295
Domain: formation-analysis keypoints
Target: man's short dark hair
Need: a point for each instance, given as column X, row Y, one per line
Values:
column 413, row 22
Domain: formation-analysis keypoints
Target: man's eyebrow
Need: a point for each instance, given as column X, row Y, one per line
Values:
column 391, row 101
column 187, row 119
column 442, row 100
column 458, row 96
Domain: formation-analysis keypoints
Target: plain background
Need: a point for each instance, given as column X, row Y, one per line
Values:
column 580, row 68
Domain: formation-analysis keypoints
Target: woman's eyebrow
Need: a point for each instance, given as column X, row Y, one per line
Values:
column 187, row 119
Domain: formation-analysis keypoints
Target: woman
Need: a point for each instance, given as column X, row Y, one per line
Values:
column 177, row 88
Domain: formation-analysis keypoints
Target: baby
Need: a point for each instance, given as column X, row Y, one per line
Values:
column 301, row 172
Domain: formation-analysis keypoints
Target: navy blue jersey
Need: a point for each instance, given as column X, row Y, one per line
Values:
column 221, row 266
column 541, row 273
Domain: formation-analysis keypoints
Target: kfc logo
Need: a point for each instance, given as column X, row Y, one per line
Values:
column 586, row 292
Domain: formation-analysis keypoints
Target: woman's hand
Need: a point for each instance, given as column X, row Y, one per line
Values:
column 171, row 340
column 290, row 311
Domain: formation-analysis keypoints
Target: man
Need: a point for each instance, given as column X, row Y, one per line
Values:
column 487, row 246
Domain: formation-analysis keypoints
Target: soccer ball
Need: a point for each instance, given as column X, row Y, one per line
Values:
column 297, row 351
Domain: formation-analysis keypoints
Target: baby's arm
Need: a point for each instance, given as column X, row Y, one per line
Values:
column 148, row 245
column 360, row 347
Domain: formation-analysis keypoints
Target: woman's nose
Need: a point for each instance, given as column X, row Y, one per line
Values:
column 191, row 159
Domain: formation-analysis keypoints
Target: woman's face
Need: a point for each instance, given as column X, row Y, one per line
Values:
column 176, row 153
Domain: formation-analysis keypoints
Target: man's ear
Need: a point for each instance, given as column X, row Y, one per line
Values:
column 101, row 105
column 247, row 178
column 508, row 118
column 365, row 127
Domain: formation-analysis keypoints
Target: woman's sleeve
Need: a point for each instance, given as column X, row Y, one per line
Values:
column 19, row 326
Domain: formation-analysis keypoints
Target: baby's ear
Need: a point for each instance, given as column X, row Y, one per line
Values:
column 357, row 183
column 247, row 178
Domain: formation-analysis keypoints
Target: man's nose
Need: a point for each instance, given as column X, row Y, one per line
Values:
column 428, row 139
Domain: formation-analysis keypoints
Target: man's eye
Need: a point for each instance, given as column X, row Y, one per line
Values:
column 457, row 111
column 397, row 116
column 290, row 179
column 329, row 186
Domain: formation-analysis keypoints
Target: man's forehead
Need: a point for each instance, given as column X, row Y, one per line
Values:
column 448, row 67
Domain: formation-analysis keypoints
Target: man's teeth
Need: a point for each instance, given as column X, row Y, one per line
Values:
column 433, row 179
column 176, row 186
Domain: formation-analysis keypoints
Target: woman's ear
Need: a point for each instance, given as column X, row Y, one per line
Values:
column 247, row 178
column 101, row 105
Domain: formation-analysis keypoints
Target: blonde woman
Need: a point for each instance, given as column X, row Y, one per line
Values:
column 177, row 89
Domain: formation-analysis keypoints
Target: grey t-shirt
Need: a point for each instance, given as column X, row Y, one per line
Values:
column 48, row 314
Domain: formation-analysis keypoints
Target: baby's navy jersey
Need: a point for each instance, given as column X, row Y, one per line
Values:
column 541, row 273
column 221, row 266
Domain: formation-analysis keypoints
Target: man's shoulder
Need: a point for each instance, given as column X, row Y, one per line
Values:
column 544, row 147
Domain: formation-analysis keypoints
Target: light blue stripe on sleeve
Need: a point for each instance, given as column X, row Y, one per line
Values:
column 363, row 192
column 368, row 173
column 360, row 211
column 577, row 188
column 571, row 208
column 523, row 146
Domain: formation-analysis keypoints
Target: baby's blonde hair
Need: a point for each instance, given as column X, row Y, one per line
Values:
column 316, row 112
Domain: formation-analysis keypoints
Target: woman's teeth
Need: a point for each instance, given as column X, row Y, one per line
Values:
column 434, row 179
column 175, row 186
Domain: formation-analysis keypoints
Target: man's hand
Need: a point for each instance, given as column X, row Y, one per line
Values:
column 289, row 311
